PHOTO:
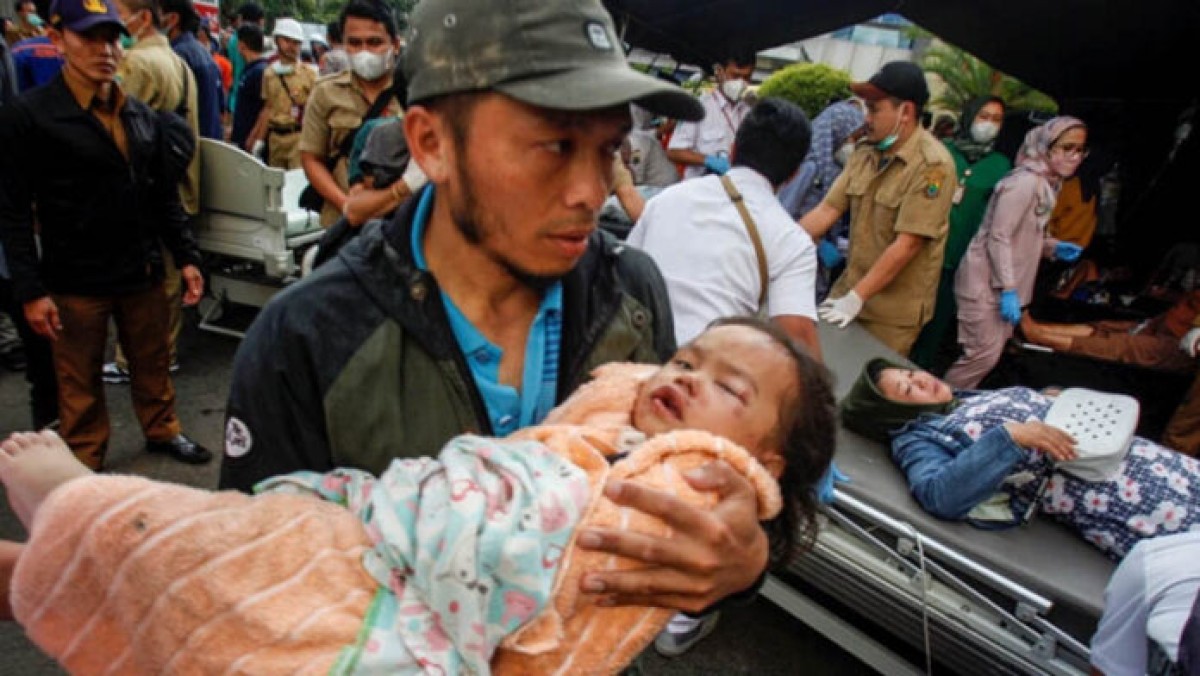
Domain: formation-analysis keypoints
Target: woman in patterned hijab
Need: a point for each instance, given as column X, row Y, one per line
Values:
column 831, row 130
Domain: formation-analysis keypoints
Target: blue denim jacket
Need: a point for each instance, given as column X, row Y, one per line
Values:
column 951, row 469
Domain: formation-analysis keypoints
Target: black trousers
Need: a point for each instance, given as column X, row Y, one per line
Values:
column 39, row 362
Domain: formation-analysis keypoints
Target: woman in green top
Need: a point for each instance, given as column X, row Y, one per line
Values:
column 979, row 169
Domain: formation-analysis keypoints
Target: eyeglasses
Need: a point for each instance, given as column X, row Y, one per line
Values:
column 1071, row 149
column 369, row 43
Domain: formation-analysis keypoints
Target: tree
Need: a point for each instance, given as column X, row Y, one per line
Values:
column 966, row 77
column 812, row 86
column 324, row 11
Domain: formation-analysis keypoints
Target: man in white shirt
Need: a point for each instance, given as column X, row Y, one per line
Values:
column 1148, row 602
column 704, row 146
column 695, row 234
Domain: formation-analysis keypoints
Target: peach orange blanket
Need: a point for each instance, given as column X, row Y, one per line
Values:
column 124, row 575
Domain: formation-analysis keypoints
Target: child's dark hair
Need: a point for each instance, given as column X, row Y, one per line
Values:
column 809, row 436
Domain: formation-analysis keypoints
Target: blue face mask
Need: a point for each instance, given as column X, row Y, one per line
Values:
column 34, row 20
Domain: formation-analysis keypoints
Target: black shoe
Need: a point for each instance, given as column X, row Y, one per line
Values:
column 182, row 448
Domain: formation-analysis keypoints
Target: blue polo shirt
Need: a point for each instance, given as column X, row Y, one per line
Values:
column 246, row 114
column 37, row 62
column 508, row 409
column 208, row 83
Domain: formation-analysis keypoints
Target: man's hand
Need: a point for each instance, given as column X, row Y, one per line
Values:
column 713, row 553
column 195, row 284
column 716, row 164
column 1050, row 440
column 841, row 311
column 42, row 315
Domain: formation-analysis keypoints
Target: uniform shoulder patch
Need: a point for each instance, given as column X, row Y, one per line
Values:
column 238, row 440
column 934, row 178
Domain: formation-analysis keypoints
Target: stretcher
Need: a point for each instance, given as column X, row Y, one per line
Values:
column 251, row 229
column 901, row 589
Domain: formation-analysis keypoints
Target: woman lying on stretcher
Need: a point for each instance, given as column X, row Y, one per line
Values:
column 467, row 563
column 988, row 458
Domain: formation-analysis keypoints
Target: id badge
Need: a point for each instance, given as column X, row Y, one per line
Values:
column 296, row 113
column 958, row 194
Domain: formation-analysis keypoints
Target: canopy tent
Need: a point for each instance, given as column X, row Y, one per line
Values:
column 1071, row 49
column 1127, row 68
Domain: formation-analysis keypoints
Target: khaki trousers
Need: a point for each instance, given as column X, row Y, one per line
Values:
column 284, row 150
column 141, row 320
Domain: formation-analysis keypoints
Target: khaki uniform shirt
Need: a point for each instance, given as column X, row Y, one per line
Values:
column 912, row 193
column 335, row 108
column 154, row 74
column 286, row 111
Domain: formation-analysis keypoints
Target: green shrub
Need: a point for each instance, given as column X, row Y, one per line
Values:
column 812, row 86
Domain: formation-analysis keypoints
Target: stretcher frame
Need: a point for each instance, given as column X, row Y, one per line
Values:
column 912, row 586
column 251, row 227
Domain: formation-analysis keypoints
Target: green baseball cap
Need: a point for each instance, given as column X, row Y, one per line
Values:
column 562, row 55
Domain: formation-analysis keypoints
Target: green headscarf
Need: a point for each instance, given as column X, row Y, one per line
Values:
column 970, row 148
column 867, row 411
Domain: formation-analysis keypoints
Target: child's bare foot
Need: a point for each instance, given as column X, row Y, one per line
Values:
column 32, row 464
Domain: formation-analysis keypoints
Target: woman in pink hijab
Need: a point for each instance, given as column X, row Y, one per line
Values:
column 997, row 274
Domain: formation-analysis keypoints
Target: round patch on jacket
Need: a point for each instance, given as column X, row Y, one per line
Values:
column 933, row 182
column 237, row 438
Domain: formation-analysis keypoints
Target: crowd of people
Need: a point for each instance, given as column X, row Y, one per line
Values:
column 466, row 307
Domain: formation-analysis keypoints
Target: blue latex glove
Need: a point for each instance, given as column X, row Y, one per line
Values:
column 1010, row 306
column 1067, row 252
column 828, row 253
column 716, row 164
column 826, row 485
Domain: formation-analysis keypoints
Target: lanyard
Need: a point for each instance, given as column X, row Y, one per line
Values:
column 725, row 113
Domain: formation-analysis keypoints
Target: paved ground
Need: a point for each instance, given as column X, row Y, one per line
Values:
column 759, row 639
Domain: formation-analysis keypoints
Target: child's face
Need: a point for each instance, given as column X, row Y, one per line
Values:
column 733, row 381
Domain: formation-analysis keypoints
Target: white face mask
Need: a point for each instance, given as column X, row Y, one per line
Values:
column 984, row 132
column 733, row 89
column 369, row 65
column 842, row 155
column 283, row 68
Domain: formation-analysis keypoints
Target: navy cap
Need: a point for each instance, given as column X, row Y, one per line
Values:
column 78, row 16
column 900, row 79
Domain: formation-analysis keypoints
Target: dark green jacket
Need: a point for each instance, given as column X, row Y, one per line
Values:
column 977, row 181
column 357, row 364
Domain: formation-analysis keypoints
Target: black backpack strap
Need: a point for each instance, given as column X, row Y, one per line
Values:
column 286, row 89
column 381, row 103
